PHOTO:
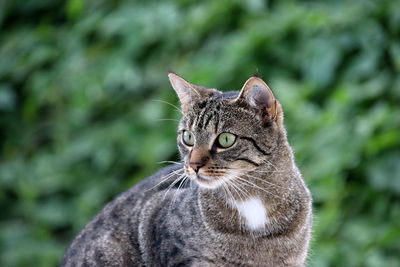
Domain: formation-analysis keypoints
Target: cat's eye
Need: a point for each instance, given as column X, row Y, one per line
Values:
column 226, row 140
column 188, row 138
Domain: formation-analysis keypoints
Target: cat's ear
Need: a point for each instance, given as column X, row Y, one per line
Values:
column 188, row 92
column 256, row 93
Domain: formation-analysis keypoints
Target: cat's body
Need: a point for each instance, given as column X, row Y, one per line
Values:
column 246, row 203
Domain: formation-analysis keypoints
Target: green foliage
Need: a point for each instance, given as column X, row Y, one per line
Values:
column 79, row 124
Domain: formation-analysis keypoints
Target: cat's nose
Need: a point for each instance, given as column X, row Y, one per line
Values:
column 198, row 158
column 196, row 165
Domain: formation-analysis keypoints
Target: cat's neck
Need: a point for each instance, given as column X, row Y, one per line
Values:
column 255, row 204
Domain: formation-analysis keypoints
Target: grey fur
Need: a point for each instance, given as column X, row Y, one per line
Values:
column 172, row 218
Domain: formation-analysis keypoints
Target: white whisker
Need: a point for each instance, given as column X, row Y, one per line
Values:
column 229, row 182
column 267, row 182
column 163, row 179
column 255, row 170
column 179, row 187
column 223, row 187
column 270, row 163
column 165, row 102
column 172, row 184
column 258, row 187
column 169, row 161
column 244, row 191
column 233, row 202
column 261, row 180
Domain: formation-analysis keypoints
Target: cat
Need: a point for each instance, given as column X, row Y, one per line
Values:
column 236, row 199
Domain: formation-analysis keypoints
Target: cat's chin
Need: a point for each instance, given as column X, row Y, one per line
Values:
column 207, row 182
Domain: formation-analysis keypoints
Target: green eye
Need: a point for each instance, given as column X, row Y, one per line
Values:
column 226, row 140
column 188, row 138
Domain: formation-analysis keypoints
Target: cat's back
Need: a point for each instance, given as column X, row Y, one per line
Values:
column 113, row 233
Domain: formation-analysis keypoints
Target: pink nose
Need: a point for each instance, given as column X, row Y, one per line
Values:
column 196, row 165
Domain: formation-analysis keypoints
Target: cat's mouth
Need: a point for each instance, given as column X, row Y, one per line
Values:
column 207, row 181
column 201, row 179
column 204, row 179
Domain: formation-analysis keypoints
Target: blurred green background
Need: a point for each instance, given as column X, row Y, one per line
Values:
column 80, row 119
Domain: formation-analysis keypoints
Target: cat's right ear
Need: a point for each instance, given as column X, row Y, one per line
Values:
column 256, row 93
column 188, row 92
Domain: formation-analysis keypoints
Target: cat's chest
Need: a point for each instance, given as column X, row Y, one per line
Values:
column 253, row 212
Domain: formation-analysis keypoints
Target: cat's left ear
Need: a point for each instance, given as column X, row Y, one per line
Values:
column 256, row 93
column 187, row 92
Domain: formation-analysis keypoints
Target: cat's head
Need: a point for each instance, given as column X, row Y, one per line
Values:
column 224, row 136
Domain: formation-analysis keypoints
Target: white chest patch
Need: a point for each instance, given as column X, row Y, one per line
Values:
column 253, row 210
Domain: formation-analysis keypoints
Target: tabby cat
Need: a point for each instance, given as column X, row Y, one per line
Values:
column 237, row 198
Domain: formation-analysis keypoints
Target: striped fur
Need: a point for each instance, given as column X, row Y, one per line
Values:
column 243, row 205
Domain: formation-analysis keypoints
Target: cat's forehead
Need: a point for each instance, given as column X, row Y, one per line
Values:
column 217, row 114
column 219, row 102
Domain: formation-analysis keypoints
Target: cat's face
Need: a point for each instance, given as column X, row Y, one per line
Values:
column 224, row 136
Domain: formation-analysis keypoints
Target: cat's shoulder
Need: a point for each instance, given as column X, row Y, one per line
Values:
column 115, row 226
